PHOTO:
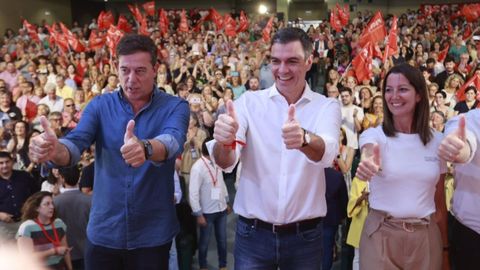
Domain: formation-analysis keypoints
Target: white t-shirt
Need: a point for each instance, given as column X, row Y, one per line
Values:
column 405, row 187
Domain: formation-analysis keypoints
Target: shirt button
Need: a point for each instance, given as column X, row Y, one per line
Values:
column 13, row 197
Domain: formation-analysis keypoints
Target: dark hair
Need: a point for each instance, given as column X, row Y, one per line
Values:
column 70, row 175
column 441, row 92
column 204, row 146
column 471, row 87
column 133, row 43
column 5, row 154
column 448, row 58
column 421, row 116
column 29, row 209
column 430, row 61
column 287, row 35
column 346, row 89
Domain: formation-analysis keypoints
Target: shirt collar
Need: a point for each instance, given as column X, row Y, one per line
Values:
column 307, row 94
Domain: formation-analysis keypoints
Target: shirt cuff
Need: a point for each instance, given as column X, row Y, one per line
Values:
column 170, row 143
column 472, row 142
column 75, row 154
column 197, row 213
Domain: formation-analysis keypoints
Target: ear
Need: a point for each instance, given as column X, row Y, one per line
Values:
column 417, row 98
column 309, row 61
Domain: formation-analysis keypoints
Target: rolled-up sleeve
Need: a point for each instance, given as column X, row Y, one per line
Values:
column 173, row 135
column 329, row 130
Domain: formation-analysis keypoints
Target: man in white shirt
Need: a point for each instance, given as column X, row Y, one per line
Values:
column 460, row 146
column 208, row 199
column 352, row 117
column 54, row 102
column 284, row 136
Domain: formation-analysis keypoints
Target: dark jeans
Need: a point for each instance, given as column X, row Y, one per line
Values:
column 465, row 247
column 261, row 249
column 98, row 257
column 329, row 233
column 218, row 223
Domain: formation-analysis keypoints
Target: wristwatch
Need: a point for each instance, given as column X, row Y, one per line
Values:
column 306, row 138
column 148, row 149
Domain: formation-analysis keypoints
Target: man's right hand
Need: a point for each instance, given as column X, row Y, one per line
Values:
column 42, row 147
column 369, row 165
column 5, row 217
column 201, row 221
column 226, row 126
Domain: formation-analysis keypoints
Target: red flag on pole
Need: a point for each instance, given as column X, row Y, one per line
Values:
column 123, row 24
column 471, row 12
column 391, row 47
column 230, row 26
column 136, row 13
column 443, row 54
column 243, row 24
column 474, row 81
column 104, row 20
column 267, row 30
column 335, row 21
column 467, row 32
column 143, row 29
column 216, row 18
column 343, row 16
column 95, row 41
column 32, row 32
column 30, row 110
column 72, row 40
column 56, row 38
column 163, row 21
column 113, row 37
column 183, row 26
column 149, row 8
column 362, row 63
column 374, row 32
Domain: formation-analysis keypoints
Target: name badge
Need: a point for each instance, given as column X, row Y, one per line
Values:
column 215, row 194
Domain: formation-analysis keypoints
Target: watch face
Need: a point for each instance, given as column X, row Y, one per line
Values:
column 307, row 138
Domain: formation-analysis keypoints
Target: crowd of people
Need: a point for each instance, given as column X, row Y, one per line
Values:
column 200, row 114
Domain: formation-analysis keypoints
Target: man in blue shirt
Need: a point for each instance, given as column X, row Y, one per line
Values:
column 138, row 131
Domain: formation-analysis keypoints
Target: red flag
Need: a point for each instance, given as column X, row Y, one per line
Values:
column 391, row 47
column 243, row 24
column 467, row 32
column 216, row 18
column 136, row 13
column 58, row 39
column 123, row 24
column 374, row 32
column 474, row 81
column 95, row 41
column 183, row 26
column 105, row 19
column 471, row 12
column 72, row 40
column 113, row 37
column 230, row 26
column 163, row 21
column 443, row 54
column 450, row 29
column 30, row 110
column 362, row 63
column 143, row 29
column 335, row 21
column 149, row 8
column 267, row 30
column 343, row 15
column 199, row 24
column 32, row 32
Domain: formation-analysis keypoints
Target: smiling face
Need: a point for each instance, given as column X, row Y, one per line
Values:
column 400, row 96
column 289, row 66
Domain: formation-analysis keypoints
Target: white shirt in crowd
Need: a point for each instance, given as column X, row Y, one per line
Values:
column 54, row 105
column 207, row 191
column 405, row 187
column 349, row 125
column 278, row 185
column 466, row 197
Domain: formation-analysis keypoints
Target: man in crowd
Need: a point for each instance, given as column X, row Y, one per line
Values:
column 54, row 102
column 132, row 220
column 73, row 207
column 352, row 117
column 15, row 188
column 281, row 193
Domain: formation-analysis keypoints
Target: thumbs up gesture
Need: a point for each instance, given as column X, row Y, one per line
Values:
column 370, row 164
column 226, row 126
column 132, row 149
column 42, row 147
column 292, row 132
column 454, row 147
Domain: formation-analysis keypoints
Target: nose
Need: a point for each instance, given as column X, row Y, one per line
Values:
column 282, row 67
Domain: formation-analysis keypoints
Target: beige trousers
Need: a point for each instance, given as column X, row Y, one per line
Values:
column 394, row 244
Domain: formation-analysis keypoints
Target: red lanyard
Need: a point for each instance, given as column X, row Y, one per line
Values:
column 55, row 242
column 214, row 179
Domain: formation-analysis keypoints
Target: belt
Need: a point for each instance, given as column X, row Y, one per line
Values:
column 288, row 228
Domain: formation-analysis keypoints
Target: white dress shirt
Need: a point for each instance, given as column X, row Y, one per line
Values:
column 466, row 197
column 207, row 191
column 54, row 105
column 278, row 185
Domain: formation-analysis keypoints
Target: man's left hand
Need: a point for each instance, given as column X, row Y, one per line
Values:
column 292, row 132
column 132, row 150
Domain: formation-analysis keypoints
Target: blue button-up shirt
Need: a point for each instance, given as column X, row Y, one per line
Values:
column 131, row 207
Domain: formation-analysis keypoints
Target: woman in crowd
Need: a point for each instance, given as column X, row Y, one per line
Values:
column 366, row 98
column 18, row 145
column 53, row 184
column 344, row 159
column 440, row 105
column 192, row 147
column 374, row 116
column 237, row 87
column 469, row 103
column 42, row 233
column 452, row 84
column 407, row 195
column 438, row 121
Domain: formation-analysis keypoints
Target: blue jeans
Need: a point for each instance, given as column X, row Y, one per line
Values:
column 217, row 222
column 152, row 258
column 261, row 249
column 329, row 233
